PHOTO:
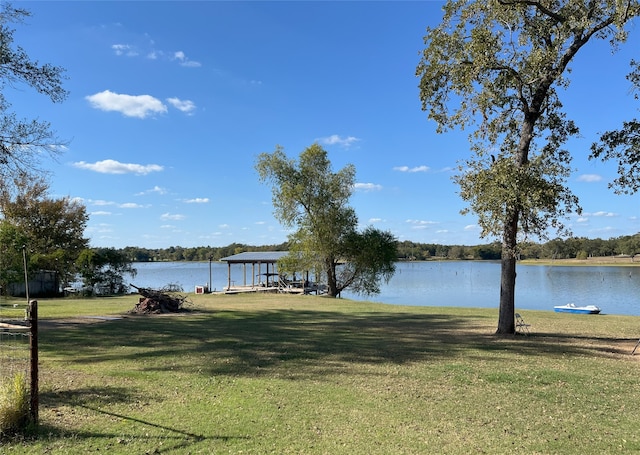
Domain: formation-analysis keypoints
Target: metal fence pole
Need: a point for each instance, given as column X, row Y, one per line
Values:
column 33, row 347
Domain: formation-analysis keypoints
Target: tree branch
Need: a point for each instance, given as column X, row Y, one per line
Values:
column 536, row 3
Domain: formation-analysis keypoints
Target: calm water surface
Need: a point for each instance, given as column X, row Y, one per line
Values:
column 465, row 283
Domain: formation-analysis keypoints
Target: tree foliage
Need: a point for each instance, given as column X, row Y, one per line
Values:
column 497, row 65
column 371, row 260
column 52, row 229
column 12, row 240
column 103, row 270
column 22, row 141
column 623, row 146
column 309, row 196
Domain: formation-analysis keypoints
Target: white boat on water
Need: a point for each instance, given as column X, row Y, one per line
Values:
column 572, row 308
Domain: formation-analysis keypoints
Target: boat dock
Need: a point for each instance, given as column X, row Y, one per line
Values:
column 268, row 281
column 311, row 289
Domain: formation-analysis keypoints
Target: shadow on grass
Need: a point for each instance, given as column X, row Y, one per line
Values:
column 583, row 344
column 287, row 344
column 92, row 399
column 301, row 343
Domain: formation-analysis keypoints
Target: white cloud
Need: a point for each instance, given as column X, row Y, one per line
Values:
column 471, row 227
column 186, row 106
column 124, row 49
column 156, row 189
column 375, row 220
column 605, row 230
column 146, row 47
column 601, row 214
column 367, row 187
column 172, row 216
column 420, row 224
column 130, row 205
column 140, row 106
column 100, row 202
column 582, row 219
column 589, row 178
column 197, row 200
column 100, row 213
column 101, row 228
column 116, row 167
column 335, row 139
column 412, row 169
column 184, row 61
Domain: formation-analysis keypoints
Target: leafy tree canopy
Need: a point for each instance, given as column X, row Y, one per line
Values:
column 103, row 269
column 52, row 229
column 623, row 146
column 308, row 195
column 496, row 66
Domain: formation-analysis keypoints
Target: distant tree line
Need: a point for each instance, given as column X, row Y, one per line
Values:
column 200, row 253
column 569, row 248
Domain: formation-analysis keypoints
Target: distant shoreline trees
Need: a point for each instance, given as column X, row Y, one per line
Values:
column 569, row 248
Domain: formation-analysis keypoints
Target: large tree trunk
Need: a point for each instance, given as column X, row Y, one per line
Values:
column 332, row 280
column 506, row 323
column 506, row 317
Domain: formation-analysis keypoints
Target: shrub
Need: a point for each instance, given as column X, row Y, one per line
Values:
column 14, row 406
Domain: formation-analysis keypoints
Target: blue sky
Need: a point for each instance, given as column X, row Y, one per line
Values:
column 171, row 102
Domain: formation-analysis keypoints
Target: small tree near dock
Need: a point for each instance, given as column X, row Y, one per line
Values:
column 309, row 196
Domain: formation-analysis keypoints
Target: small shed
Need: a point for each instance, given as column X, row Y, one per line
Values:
column 257, row 259
column 43, row 283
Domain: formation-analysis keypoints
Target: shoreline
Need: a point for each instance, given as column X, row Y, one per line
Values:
column 616, row 261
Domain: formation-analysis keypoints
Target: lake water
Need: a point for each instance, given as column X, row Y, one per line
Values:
column 449, row 283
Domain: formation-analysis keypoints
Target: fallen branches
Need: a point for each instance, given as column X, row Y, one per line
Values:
column 159, row 301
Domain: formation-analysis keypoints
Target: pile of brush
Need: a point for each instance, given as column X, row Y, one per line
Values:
column 158, row 301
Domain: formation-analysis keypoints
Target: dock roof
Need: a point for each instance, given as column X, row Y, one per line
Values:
column 255, row 257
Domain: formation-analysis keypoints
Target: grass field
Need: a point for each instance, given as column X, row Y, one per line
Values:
column 263, row 374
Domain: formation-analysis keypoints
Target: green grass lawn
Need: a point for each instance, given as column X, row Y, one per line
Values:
column 262, row 374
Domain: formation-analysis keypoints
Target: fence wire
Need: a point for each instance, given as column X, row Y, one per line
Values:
column 14, row 342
